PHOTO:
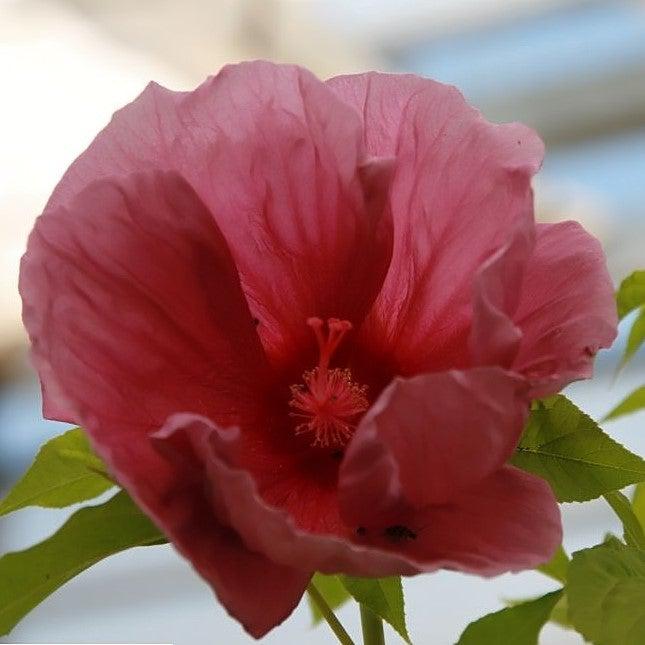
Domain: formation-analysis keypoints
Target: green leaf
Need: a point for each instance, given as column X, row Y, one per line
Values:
column 332, row 590
column 568, row 449
column 384, row 596
column 517, row 625
column 65, row 472
column 631, row 296
column 559, row 613
column 636, row 337
column 606, row 594
column 632, row 403
column 631, row 293
column 638, row 504
column 556, row 568
column 632, row 529
column 90, row 535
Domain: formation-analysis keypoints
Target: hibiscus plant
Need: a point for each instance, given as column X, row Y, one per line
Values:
column 313, row 337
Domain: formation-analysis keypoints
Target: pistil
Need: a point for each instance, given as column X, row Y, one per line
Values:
column 328, row 401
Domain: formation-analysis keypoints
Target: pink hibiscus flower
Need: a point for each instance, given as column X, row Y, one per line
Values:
column 302, row 323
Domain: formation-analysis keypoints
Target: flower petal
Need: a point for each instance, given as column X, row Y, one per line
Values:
column 302, row 208
column 510, row 522
column 264, row 528
column 54, row 404
column 427, row 439
column 134, row 308
column 139, row 137
column 494, row 337
column 279, row 161
column 461, row 185
column 566, row 311
column 259, row 593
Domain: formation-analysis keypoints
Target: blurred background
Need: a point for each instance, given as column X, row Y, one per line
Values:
column 574, row 70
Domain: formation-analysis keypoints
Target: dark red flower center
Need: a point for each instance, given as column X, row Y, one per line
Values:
column 328, row 401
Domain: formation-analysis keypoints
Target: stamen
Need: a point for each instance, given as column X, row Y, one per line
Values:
column 328, row 401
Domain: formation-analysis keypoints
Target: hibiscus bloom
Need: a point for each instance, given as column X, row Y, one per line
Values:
column 302, row 323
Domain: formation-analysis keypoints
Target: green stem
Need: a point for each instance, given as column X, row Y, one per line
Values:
column 633, row 531
column 372, row 627
column 333, row 622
